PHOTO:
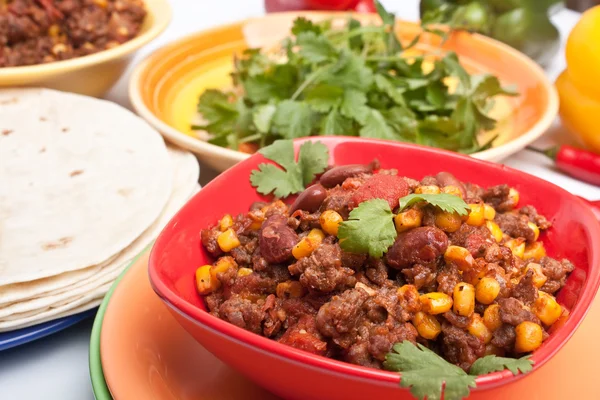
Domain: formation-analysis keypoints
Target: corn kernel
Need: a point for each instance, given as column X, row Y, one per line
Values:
column 453, row 190
column 478, row 329
column 408, row 219
column 289, row 289
column 546, row 308
column 448, row 222
column 491, row 317
column 204, row 282
column 436, row 302
column 476, row 216
column 226, row 223
column 539, row 279
column 330, row 221
column 407, row 291
column 228, row 240
column 494, row 230
column 427, row 189
column 535, row 229
column 101, row 3
column 427, row 325
column 487, row 290
column 517, row 246
column 513, row 196
column 308, row 244
column 257, row 218
column 534, row 251
column 464, row 299
column 488, row 212
column 459, row 256
column 244, row 271
column 222, row 265
column 59, row 48
column 54, row 30
column 529, row 337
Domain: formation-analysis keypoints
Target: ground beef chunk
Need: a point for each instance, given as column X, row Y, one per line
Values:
column 429, row 181
column 515, row 225
column 254, row 285
column 412, row 183
column 383, row 337
column 420, row 275
column 447, row 278
column 377, row 271
column 525, row 290
column 305, row 336
column 354, row 261
column 337, row 200
column 504, row 337
column 556, row 271
column 243, row 313
column 498, row 197
column 274, row 316
column 534, row 217
column 460, row 347
column 359, row 354
column 474, row 193
column 322, row 271
column 513, row 312
column 213, row 302
column 476, row 239
column 424, row 245
column 209, row 241
column 242, row 256
column 340, row 318
column 457, row 320
column 499, row 274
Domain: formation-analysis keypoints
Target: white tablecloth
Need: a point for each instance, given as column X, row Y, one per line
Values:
column 56, row 368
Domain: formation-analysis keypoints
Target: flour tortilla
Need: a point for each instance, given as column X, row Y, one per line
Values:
column 82, row 178
column 185, row 177
column 84, row 303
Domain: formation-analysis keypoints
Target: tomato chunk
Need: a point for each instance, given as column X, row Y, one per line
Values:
column 387, row 187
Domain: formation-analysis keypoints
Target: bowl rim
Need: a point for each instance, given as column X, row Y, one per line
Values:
column 203, row 147
column 264, row 344
column 161, row 14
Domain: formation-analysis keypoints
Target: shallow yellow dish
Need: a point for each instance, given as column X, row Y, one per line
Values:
column 91, row 75
column 164, row 88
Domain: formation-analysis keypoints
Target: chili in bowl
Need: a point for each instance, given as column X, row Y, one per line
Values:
column 436, row 265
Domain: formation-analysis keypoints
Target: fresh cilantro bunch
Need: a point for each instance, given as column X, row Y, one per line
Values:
column 352, row 81
column 428, row 375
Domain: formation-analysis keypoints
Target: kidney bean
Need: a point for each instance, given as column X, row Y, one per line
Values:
column 277, row 239
column 337, row 175
column 423, row 245
column 310, row 199
column 447, row 179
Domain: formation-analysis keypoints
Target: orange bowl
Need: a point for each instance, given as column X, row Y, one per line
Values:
column 164, row 88
column 95, row 74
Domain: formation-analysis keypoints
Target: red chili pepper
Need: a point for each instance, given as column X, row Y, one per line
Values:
column 365, row 6
column 580, row 164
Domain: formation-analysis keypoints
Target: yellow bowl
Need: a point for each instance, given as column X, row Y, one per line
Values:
column 95, row 74
column 164, row 88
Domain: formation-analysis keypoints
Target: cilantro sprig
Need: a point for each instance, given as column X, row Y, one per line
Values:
column 445, row 202
column 312, row 160
column 429, row 376
column 353, row 80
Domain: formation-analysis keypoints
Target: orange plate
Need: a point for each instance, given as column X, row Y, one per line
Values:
column 146, row 354
column 164, row 88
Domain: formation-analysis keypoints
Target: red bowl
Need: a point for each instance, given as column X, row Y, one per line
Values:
column 295, row 374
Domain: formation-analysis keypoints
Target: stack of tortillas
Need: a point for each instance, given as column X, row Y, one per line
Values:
column 85, row 186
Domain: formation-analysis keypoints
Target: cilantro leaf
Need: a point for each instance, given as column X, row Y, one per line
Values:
column 336, row 124
column 369, row 229
column 221, row 115
column 390, row 89
column 354, row 105
column 375, row 126
column 293, row 119
column 323, row 97
column 445, row 202
column 427, row 374
column 315, row 48
column 302, row 24
column 263, row 116
column 492, row 363
column 389, row 19
column 312, row 160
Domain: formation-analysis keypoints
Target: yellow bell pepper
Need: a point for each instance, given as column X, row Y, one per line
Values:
column 579, row 85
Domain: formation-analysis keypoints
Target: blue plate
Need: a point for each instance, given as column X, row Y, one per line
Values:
column 26, row 335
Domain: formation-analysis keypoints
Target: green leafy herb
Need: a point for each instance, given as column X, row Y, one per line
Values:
column 445, row 202
column 293, row 178
column 369, row 229
column 353, row 80
column 492, row 363
column 427, row 374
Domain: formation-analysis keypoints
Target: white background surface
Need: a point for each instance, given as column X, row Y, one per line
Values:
column 56, row 368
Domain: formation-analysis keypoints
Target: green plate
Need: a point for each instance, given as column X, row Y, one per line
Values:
column 101, row 391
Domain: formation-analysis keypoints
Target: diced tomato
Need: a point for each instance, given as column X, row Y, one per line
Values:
column 365, row 6
column 387, row 187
